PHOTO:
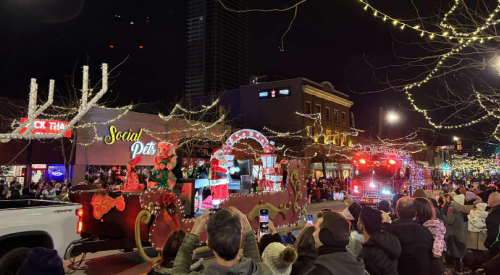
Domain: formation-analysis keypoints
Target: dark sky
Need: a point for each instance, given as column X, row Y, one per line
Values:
column 327, row 42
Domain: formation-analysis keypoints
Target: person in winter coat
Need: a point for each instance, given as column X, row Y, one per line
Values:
column 16, row 193
column 492, row 241
column 168, row 253
column 307, row 252
column 267, row 239
column 415, row 239
column 426, row 215
column 477, row 218
column 227, row 232
column 380, row 249
column 456, row 232
column 480, row 197
column 26, row 193
column 279, row 258
column 289, row 238
column 351, row 213
column 331, row 237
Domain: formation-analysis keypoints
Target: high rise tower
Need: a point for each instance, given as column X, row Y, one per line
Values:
column 217, row 46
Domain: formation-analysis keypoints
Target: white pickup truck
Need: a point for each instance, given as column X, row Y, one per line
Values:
column 25, row 224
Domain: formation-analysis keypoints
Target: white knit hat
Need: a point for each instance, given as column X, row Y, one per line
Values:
column 279, row 258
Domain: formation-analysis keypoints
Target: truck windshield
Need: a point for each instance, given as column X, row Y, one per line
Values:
column 384, row 172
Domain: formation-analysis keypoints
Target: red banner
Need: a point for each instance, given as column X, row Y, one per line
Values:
column 47, row 127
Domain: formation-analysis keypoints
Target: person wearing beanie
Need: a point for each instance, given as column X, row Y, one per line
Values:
column 419, row 193
column 42, row 261
column 463, row 191
column 470, row 198
column 279, row 258
column 380, row 249
column 331, row 237
column 481, row 197
column 456, row 231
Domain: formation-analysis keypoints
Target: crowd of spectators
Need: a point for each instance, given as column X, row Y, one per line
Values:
column 50, row 190
column 323, row 188
column 417, row 235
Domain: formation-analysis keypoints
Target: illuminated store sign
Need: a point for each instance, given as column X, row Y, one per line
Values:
column 47, row 127
column 275, row 92
column 137, row 148
column 57, row 173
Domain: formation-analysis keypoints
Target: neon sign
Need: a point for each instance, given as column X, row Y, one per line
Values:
column 139, row 148
column 275, row 92
column 56, row 173
column 47, row 127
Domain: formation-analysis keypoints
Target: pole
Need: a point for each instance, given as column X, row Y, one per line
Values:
column 380, row 122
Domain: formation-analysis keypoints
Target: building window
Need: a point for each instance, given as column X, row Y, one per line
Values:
column 327, row 115
column 344, row 121
column 335, row 138
column 335, row 116
column 308, row 107
column 318, row 109
column 328, row 136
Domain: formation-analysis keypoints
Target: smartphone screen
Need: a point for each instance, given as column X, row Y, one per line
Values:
column 338, row 196
column 263, row 221
column 310, row 219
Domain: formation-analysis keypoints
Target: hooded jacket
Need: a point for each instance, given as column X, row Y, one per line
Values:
column 250, row 264
column 304, row 262
column 338, row 263
column 477, row 218
column 416, row 246
column 380, row 254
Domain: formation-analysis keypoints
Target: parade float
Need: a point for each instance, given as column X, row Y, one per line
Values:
column 128, row 219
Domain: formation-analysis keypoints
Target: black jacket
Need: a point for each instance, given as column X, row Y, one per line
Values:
column 15, row 195
column 416, row 246
column 304, row 262
column 492, row 242
column 380, row 254
column 338, row 263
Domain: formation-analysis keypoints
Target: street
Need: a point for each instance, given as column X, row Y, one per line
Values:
column 119, row 263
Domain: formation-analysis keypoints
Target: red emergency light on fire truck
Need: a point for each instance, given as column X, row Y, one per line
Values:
column 375, row 177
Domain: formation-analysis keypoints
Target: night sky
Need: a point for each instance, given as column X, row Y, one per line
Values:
column 328, row 41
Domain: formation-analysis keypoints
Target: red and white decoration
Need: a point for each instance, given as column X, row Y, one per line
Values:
column 219, row 180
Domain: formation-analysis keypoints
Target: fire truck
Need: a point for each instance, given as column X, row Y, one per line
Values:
column 376, row 177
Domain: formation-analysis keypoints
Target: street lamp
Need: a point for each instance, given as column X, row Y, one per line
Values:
column 392, row 117
column 455, row 138
column 479, row 149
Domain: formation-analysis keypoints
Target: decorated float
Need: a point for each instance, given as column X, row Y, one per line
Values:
column 127, row 219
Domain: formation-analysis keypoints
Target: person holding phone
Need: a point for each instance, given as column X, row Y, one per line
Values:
column 227, row 231
column 271, row 237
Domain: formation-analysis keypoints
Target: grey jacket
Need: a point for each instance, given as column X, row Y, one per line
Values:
column 455, row 224
column 250, row 264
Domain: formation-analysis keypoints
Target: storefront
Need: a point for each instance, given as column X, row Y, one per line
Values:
column 39, row 161
column 104, row 149
column 331, row 169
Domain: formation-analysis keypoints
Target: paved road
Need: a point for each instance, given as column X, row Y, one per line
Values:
column 119, row 263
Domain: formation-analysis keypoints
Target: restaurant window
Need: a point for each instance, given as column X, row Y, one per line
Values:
column 335, row 116
column 327, row 115
column 308, row 107
column 328, row 136
column 318, row 109
column 344, row 121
